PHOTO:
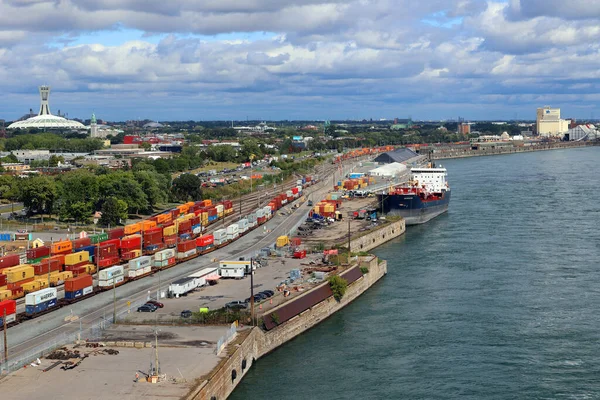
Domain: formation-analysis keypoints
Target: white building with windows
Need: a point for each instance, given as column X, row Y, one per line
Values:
column 549, row 123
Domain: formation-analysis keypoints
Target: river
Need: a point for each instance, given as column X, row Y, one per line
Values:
column 497, row 299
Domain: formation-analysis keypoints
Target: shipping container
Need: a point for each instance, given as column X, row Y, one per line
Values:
column 82, row 242
column 5, row 294
column 79, row 292
column 233, row 231
column 8, row 308
column 152, row 238
column 116, row 233
column 77, row 258
column 164, row 254
column 187, row 254
column 132, row 229
column 185, row 227
column 169, row 231
column 136, row 273
column 164, row 263
column 170, row 241
column 61, row 247
column 47, row 265
column 147, row 225
column 38, row 252
column 18, row 273
column 78, row 283
column 220, row 236
column 31, row 286
column 130, row 255
column 140, row 263
column 132, row 242
column 205, row 240
column 2, row 280
column 40, row 301
column 107, row 262
column 9, row 261
column 111, row 272
column 242, row 226
column 220, row 210
column 185, row 246
column 109, row 283
column 98, row 238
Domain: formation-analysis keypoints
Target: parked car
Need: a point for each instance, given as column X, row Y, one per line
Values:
column 267, row 293
column 236, row 305
column 186, row 314
column 153, row 306
column 156, row 303
column 257, row 298
column 146, row 308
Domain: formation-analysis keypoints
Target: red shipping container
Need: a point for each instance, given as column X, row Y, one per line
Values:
column 78, row 271
column 170, row 240
column 195, row 220
column 128, row 255
column 107, row 262
column 8, row 307
column 308, row 179
column 300, row 254
column 212, row 211
column 185, row 226
column 59, row 257
column 116, row 233
column 131, row 243
column 174, row 213
column 9, row 261
column 205, row 240
column 46, row 267
column 83, row 242
column 295, row 190
column 154, row 230
column 116, row 242
column 188, row 245
column 152, row 238
column 227, row 204
column 2, row 280
column 262, row 220
column 81, row 282
column 17, row 285
column 172, row 261
column 107, row 251
column 38, row 252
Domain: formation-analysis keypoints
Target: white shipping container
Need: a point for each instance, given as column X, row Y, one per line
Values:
column 289, row 193
column 251, row 218
column 105, row 283
column 164, row 254
column 220, row 234
column 87, row 290
column 233, row 236
column 139, row 272
column 267, row 211
column 140, row 263
column 40, row 296
column 299, row 189
column 242, row 225
column 197, row 230
column 220, row 208
column 11, row 317
column 232, row 229
column 260, row 213
column 187, row 254
column 109, row 273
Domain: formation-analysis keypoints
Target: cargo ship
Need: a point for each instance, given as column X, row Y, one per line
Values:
column 425, row 196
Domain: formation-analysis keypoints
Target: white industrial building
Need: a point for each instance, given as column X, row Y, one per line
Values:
column 549, row 123
column 389, row 170
column 583, row 132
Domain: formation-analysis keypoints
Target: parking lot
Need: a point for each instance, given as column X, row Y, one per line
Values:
column 214, row 297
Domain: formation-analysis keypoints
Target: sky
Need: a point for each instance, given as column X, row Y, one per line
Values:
column 300, row 59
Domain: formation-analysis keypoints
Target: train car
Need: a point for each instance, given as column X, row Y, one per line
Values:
column 242, row 226
column 220, row 238
column 40, row 302
column 111, row 277
column 233, row 232
column 79, row 287
column 164, row 259
column 186, row 250
column 8, row 308
column 139, row 267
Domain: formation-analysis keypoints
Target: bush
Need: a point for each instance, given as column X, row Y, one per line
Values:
column 338, row 286
column 364, row 270
column 275, row 318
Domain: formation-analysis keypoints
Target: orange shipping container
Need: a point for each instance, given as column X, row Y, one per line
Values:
column 146, row 225
column 133, row 228
column 61, row 247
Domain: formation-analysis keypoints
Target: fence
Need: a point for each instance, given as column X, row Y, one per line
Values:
column 86, row 331
column 226, row 338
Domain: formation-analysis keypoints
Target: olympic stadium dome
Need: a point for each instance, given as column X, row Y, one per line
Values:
column 45, row 120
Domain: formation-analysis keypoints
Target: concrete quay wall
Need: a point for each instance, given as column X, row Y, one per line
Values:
column 377, row 237
column 255, row 343
column 463, row 153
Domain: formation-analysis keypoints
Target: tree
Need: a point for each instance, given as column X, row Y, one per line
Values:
column 55, row 160
column 123, row 186
column 146, row 146
column 114, row 211
column 78, row 195
column 38, row 194
column 187, row 186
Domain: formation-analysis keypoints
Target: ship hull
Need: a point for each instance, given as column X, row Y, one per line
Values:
column 412, row 208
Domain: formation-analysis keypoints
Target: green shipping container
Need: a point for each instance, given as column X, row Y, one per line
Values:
column 101, row 237
column 36, row 260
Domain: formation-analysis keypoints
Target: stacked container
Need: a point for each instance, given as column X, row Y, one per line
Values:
column 107, row 253
column 82, row 242
column 9, row 261
column 290, row 196
column 233, row 232
column 47, row 266
column 99, row 238
column 140, row 267
column 79, row 286
column 111, row 276
column 252, row 220
column 242, row 226
column 260, row 216
column 164, row 258
column 40, row 301
column 37, row 254
column 184, row 227
column 227, row 207
column 132, row 229
column 205, row 243
column 212, row 215
column 116, row 233
column 186, row 249
column 220, row 237
column 8, row 307
column 77, row 259
column 220, row 210
column 63, row 247
column 268, row 212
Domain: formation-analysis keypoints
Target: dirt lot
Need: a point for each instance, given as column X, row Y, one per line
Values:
column 106, row 376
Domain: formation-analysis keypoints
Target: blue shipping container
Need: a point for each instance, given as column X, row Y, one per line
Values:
column 185, row 236
column 89, row 249
column 38, row 308
column 73, row 295
column 152, row 247
column 212, row 218
column 5, row 237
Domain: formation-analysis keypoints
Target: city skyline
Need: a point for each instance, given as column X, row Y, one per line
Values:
column 305, row 59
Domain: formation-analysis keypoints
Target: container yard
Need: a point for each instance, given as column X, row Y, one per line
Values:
column 131, row 252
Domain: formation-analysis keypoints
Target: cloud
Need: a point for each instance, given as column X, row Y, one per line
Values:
column 298, row 59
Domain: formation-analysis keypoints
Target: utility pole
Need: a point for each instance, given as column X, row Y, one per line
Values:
column 159, row 284
column 349, row 236
column 114, row 300
column 156, row 366
column 5, row 340
column 251, row 292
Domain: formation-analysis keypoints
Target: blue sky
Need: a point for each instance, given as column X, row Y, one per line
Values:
column 300, row 59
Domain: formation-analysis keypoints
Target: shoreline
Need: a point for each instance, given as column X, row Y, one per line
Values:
column 447, row 154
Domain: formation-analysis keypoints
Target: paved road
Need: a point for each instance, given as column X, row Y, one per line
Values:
column 26, row 337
